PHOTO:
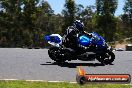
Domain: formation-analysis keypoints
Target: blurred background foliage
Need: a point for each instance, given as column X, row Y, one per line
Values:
column 24, row 23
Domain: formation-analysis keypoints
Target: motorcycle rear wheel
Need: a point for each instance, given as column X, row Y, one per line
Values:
column 56, row 55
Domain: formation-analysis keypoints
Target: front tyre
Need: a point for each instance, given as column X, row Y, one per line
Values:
column 107, row 58
column 56, row 54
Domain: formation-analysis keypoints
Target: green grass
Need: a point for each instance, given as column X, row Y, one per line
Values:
column 24, row 84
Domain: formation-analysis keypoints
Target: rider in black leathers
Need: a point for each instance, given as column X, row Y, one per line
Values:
column 71, row 35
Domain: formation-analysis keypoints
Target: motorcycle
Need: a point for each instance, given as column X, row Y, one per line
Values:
column 92, row 48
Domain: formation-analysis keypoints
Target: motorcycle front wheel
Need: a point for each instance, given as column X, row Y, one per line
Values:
column 106, row 58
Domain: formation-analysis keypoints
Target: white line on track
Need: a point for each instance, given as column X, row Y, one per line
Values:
column 44, row 81
column 35, row 80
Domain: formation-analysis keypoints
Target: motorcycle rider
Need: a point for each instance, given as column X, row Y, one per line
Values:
column 71, row 35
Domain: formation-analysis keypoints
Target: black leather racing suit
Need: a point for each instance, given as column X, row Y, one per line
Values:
column 70, row 38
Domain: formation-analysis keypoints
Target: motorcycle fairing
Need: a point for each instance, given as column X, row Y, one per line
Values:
column 54, row 39
column 98, row 40
column 84, row 40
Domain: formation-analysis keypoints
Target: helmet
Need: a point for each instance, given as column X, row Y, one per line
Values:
column 79, row 25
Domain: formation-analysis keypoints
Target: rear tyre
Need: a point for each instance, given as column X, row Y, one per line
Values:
column 56, row 54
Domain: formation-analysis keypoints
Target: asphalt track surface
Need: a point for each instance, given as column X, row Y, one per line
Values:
column 35, row 64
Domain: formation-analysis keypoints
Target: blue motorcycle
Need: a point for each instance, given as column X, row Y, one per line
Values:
column 91, row 48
